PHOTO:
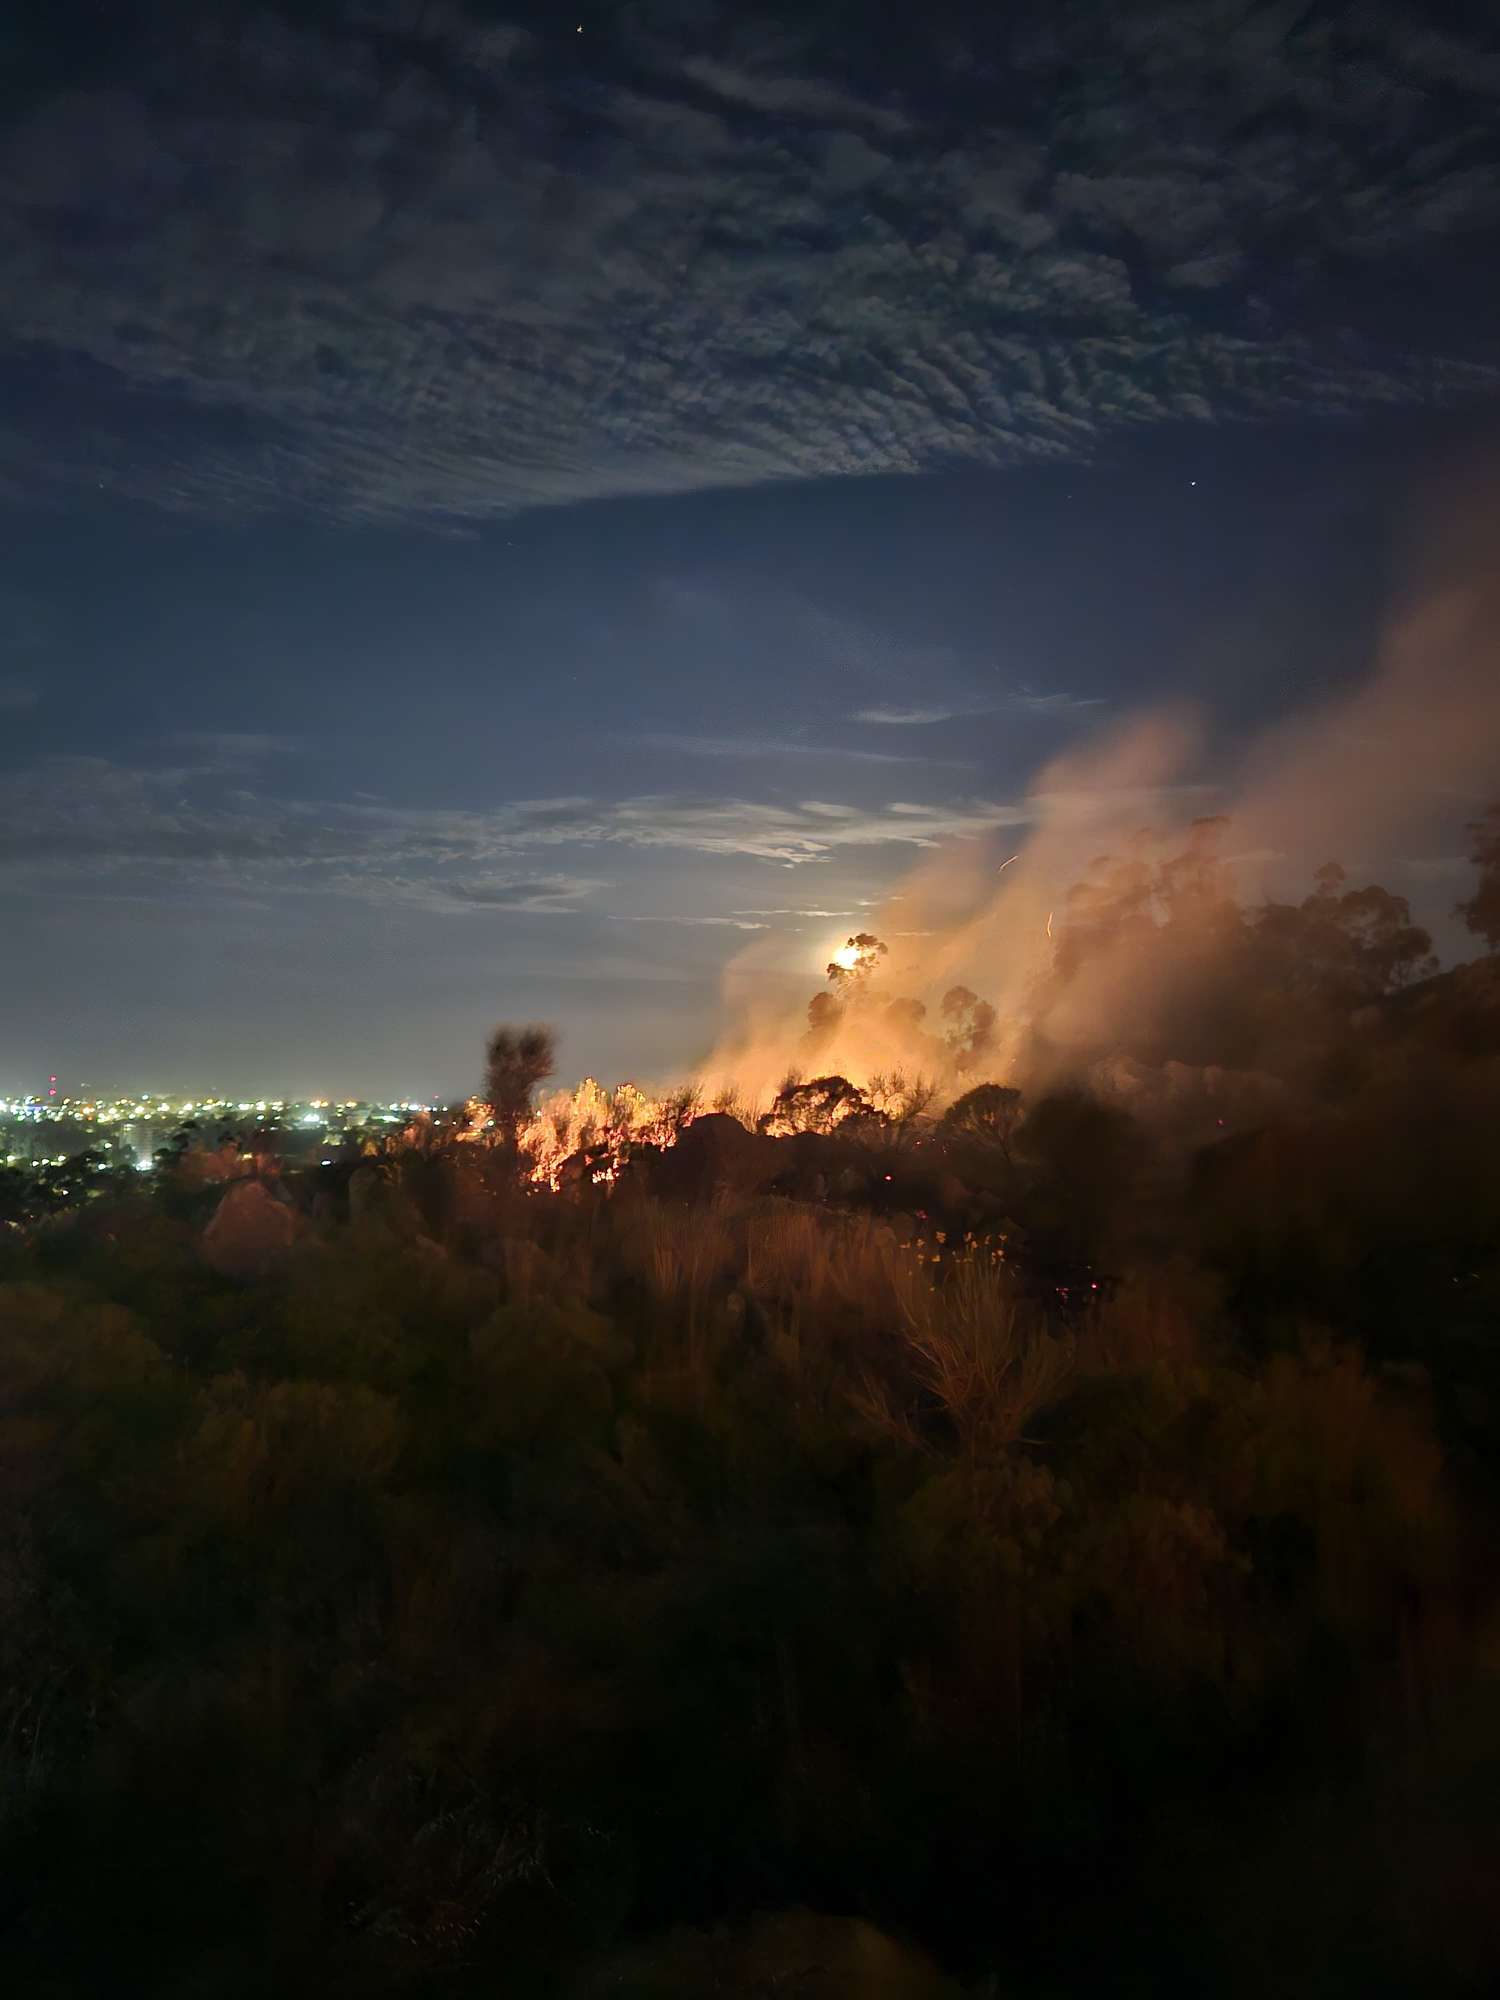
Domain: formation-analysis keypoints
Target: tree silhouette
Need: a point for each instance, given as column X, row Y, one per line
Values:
column 815, row 1106
column 1196, row 885
column 1112, row 903
column 905, row 1015
column 1342, row 945
column 823, row 1015
column 857, row 959
column 516, row 1061
column 901, row 1100
column 970, row 1025
column 989, row 1112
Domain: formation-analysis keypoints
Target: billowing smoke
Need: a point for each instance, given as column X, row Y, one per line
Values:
column 1166, row 900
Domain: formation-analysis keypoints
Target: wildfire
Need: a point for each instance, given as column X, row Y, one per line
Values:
column 864, row 1049
column 589, row 1133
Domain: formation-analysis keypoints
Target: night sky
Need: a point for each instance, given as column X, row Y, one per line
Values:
column 496, row 517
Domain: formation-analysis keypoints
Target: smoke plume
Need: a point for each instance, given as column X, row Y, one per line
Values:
column 1157, row 808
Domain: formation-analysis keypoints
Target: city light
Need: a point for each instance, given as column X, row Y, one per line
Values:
column 129, row 1133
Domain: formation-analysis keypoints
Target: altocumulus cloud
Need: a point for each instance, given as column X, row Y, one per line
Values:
column 87, row 826
column 394, row 260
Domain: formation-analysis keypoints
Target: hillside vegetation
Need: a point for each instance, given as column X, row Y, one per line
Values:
column 1041, row 1549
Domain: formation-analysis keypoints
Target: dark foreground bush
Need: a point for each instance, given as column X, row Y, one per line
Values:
column 548, row 1621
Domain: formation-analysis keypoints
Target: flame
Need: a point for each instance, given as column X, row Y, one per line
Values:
column 590, row 1132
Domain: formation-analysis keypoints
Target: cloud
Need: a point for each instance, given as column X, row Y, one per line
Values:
column 82, row 825
column 759, row 747
column 478, row 268
column 786, row 97
column 897, row 718
column 1053, row 704
column 896, row 715
column 791, row 835
column 710, row 923
column 543, row 895
column 14, row 696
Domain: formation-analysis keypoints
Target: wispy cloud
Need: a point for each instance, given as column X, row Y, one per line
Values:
column 14, row 696
column 896, row 715
column 693, row 923
column 790, row 835
column 1054, row 704
column 74, row 825
column 771, row 88
column 901, row 718
column 542, row 895
column 776, row 748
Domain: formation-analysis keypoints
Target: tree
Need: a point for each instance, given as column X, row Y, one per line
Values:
column 850, row 975
column 1112, row 902
column 180, row 1143
column 852, row 964
column 1389, row 949
column 17, row 1196
column 823, row 1015
column 1195, row 885
column 1342, row 945
column 1129, row 904
column 905, row 1016
column 815, row 1106
column 516, row 1061
column 970, row 1025
column 901, row 1101
column 990, row 1112
column 1482, row 910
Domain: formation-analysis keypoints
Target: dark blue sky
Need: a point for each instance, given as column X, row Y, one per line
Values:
column 495, row 517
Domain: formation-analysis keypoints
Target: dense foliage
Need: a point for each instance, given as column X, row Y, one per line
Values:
column 1049, row 1545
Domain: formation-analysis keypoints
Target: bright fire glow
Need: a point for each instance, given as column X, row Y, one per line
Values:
column 590, row 1131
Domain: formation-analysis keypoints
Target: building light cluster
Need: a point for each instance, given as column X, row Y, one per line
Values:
column 130, row 1128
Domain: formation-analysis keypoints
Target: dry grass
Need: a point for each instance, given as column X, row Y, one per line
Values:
column 898, row 1324
column 683, row 1259
column 813, row 1261
column 986, row 1355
